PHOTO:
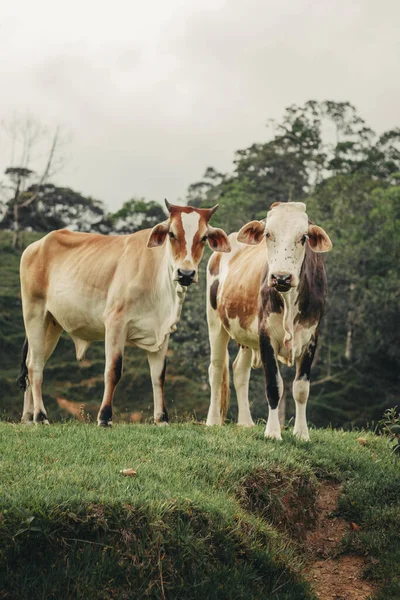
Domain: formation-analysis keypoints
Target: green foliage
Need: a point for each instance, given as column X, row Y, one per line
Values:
column 136, row 214
column 390, row 425
column 55, row 207
column 211, row 513
column 360, row 356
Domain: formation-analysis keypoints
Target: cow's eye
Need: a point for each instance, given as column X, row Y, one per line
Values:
column 304, row 239
column 204, row 239
column 268, row 235
column 171, row 235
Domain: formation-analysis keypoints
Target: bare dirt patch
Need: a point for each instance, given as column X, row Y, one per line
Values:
column 332, row 574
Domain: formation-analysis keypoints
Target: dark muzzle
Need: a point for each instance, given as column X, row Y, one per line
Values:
column 281, row 281
column 185, row 278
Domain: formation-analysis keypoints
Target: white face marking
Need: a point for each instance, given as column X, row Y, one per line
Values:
column 286, row 224
column 190, row 224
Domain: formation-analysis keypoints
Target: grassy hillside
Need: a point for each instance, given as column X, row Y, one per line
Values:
column 211, row 513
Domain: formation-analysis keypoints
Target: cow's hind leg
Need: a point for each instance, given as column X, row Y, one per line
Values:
column 301, row 389
column 43, row 334
column 23, row 384
column 241, row 378
column 273, row 386
column 114, row 345
column 158, row 366
column 218, row 373
column 27, row 413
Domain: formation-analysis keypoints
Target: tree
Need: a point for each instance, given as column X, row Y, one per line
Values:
column 136, row 214
column 26, row 135
column 55, row 207
column 359, row 359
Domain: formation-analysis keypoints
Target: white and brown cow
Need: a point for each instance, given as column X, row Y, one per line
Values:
column 268, row 294
column 126, row 290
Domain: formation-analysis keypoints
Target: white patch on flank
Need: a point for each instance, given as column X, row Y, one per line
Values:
column 190, row 224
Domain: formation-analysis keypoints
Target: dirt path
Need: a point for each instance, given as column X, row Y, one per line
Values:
column 333, row 576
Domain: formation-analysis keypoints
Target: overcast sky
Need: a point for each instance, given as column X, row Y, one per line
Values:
column 153, row 91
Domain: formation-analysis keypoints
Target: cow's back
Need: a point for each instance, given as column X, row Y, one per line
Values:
column 81, row 278
column 69, row 274
column 78, row 259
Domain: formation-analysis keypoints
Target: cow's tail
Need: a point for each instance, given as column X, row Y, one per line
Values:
column 22, row 381
column 225, row 390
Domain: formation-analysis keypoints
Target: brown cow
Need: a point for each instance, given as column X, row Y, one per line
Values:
column 268, row 294
column 126, row 290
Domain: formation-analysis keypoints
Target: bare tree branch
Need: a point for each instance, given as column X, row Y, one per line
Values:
column 331, row 377
column 46, row 171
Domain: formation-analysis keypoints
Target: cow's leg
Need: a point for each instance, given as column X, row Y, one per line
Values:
column 273, row 386
column 52, row 336
column 241, row 378
column 301, row 389
column 114, row 346
column 218, row 372
column 27, row 412
column 158, row 365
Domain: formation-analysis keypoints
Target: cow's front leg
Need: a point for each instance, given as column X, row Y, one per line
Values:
column 273, row 386
column 114, row 346
column 301, row 389
column 218, row 373
column 241, row 377
column 158, row 366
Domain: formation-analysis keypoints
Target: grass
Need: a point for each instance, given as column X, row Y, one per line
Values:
column 212, row 512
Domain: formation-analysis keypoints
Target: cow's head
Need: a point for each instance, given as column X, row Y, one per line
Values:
column 286, row 231
column 187, row 230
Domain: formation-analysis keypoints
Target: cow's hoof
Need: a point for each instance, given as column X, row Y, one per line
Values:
column 246, row 424
column 273, row 433
column 41, row 419
column 213, row 420
column 270, row 436
column 104, row 423
column 161, row 423
column 161, row 418
column 302, row 435
column 27, row 419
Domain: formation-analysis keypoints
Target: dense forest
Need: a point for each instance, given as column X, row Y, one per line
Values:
column 321, row 153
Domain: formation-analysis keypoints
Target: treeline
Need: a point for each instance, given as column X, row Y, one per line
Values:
column 322, row 153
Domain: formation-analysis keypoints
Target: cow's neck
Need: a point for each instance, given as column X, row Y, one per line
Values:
column 290, row 310
column 177, row 291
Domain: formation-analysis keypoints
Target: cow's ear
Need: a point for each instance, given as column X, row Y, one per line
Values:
column 158, row 235
column 252, row 233
column 218, row 240
column 317, row 238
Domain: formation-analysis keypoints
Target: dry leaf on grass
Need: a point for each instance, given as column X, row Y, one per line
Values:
column 128, row 472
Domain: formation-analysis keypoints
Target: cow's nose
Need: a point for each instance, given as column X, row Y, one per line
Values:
column 186, row 277
column 281, row 281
